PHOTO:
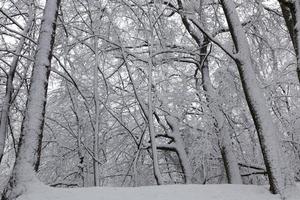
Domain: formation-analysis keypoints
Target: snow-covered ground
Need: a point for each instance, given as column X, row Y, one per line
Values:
column 167, row 192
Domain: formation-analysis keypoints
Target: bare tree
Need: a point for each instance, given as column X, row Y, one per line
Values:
column 291, row 14
column 229, row 159
column 32, row 129
column 267, row 131
column 9, row 83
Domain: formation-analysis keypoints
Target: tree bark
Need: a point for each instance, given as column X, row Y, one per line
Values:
column 9, row 84
column 227, row 153
column 32, row 130
column 228, row 157
column 96, row 123
column 267, row 131
column 157, row 174
column 156, row 170
column 291, row 14
column 180, row 148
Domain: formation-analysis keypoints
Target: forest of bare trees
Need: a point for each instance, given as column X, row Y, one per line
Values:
column 149, row 92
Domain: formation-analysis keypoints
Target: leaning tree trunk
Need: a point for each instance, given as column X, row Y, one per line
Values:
column 227, row 153
column 179, row 148
column 268, row 133
column 148, row 114
column 30, row 140
column 228, row 157
column 9, row 84
column 291, row 14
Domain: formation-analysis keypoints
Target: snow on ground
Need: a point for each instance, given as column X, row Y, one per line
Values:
column 166, row 192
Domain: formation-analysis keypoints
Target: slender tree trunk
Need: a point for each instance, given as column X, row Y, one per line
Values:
column 9, row 84
column 267, row 130
column 79, row 131
column 297, row 33
column 147, row 114
column 96, row 123
column 180, row 149
column 157, row 174
column 23, row 173
column 227, row 153
column 74, row 101
column 291, row 14
column 228, row 157
column 176, row 144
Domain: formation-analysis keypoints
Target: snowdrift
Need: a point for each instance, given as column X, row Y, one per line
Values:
column 166, row 192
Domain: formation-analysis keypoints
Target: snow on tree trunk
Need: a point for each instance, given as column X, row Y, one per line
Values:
column 29, row 146
column 229, row 159
column 157, row 174
column 267, row 130
column 9, row 85
column 180, row 149
column 148, row 113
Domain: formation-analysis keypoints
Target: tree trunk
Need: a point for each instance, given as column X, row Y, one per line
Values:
column 9, row 84
column 23, row 172
column 268, row 133
column 291, row 14
column 227, row 153
column 228, row 157
column 180, row 149
column 156, row 171
column 96, row 123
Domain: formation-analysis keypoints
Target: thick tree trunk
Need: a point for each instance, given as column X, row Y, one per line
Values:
column 23, row 173
column 267, row 130
column 9, row 85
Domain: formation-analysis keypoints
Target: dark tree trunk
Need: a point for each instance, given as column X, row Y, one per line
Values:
column 291, row 14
